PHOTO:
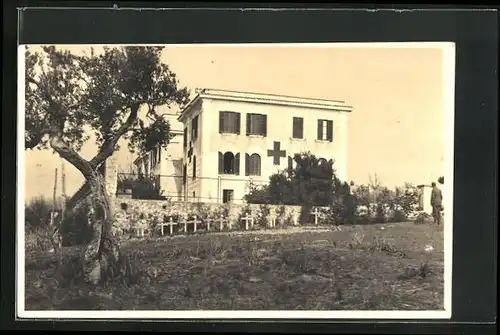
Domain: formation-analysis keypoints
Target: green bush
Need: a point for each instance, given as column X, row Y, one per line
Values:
column 75, row 229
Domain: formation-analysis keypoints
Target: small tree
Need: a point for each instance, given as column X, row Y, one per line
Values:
column 311, row 183
column 68, row 95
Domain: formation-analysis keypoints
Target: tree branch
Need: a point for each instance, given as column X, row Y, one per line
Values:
column 65, row 151
column 108, row 146
column 36, row 139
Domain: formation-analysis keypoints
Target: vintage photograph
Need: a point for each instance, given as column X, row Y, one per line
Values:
column 235, row 180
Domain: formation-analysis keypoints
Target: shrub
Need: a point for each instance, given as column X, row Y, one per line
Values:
column 37, row 213
column 75, row 229
column 380, row 215
column 398, row 216
column 262, row 215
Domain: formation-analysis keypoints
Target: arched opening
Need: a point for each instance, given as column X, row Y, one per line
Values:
column 228, row 163
column 254, row 165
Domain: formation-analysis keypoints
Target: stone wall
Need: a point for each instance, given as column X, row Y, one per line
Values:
column 135, row 209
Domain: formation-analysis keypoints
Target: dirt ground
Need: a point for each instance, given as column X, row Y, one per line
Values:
column 376, row 267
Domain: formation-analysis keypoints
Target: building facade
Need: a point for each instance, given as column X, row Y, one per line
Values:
column 233, row 139
column 165, row 164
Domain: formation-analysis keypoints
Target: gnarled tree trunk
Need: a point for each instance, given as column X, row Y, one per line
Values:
column 103, row 251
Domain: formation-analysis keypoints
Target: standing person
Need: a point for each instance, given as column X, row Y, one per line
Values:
column 436, row 203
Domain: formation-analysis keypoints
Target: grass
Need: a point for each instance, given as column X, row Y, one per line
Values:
column 357, row 268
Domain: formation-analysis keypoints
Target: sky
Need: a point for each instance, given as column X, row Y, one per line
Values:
column 396, row 130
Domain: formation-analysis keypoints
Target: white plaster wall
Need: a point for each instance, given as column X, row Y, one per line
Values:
column 279, row 128
column 427, row 199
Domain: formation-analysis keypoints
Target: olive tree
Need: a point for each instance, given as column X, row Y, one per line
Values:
column 69, row 96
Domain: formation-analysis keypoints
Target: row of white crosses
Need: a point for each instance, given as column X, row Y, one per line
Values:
column 221, row 221
column 248, row 219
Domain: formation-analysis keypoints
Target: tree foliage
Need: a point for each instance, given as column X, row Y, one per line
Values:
column 99, row 93
column 69, row 96
column 311, row 182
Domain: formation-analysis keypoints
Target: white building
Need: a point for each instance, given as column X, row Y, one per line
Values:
column 230, row 139
column 166, row 165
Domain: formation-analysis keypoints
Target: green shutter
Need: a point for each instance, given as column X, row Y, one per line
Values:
column 248, row 124
column 238, row 123
column 221, row 122
column 221, row 163
column 247, row 162
column 237, row 164
column 329, row 131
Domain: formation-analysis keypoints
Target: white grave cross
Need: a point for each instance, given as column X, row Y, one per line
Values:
column 170, row 223
column 272, row 221
column 139, row 231
column 162, row 225
column 316, row 214
column 208, row 221
column 247, row 219
column 185, row 222
column 195, row 222
column 221, row 222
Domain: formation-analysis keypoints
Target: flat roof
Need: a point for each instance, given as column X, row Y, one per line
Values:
column 266, row 98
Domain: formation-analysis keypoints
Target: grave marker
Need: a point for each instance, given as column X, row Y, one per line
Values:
column 184, row 222
column 139, row 231
column 195, row 222
column 316, row 214
column 221, row 221
column 271, row 220
column 170, row 223
column 247, row 219
column 208, row 221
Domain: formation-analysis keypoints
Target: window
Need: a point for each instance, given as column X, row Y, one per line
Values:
column 325, row 130
column 194, row 167
column 185, row 137
column 194, row 128
column 229, row 163
column 298, row 127
column 227, row 196
column 252, row 165
column 229, row 123
column 257, row 124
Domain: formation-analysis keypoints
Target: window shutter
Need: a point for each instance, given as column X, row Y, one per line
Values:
column 264, row 125
column 237, row 164
column 298, row 125
column 184, row 173
column 194, row 167
column 329, row 131
column 185, row 137
column 248, row 124
column 257, row 158
column 195, row 127
column 320, row 130
column 247, row 164
column 238, row 123
column 221, row 163
column 221, row 122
